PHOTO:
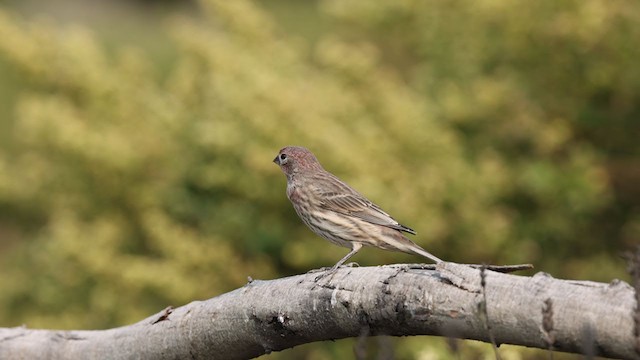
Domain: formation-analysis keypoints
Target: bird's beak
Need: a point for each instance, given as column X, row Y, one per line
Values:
column 277, row 160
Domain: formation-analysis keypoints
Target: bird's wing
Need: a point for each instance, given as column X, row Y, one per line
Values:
column 354, row 204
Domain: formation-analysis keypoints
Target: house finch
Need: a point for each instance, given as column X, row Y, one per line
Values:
column 338, row 213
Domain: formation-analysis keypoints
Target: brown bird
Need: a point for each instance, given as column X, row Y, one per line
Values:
column 338, row 213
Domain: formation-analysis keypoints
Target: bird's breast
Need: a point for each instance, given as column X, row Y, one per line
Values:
column 293, row 193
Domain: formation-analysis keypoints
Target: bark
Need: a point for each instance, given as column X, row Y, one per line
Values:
column 266, row 316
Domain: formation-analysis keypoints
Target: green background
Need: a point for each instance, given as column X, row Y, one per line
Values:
column 136, row 140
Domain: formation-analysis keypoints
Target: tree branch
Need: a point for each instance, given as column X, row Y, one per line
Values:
column 266, row 316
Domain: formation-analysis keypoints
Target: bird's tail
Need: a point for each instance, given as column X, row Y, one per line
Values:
column 395, row 240
column 422, row 252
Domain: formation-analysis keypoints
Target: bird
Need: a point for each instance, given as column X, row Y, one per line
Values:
column 335, row 211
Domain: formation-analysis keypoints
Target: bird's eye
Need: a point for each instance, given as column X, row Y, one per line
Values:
column 283, row 157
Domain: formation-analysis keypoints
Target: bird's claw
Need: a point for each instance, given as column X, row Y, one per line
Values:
column 320, row 276
column 326, row 271
column 322, row 269
column 331, row 269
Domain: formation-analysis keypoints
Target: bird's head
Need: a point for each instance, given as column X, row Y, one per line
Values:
column 294, row 159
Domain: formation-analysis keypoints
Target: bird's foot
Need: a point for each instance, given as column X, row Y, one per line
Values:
column 331, row 269
column 322, row 269
column 326, row 271
column 323, row 275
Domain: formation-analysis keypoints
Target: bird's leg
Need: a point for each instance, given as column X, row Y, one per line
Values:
column 354, row 249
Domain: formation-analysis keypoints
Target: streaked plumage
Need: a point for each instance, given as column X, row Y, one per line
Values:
column 338, row 213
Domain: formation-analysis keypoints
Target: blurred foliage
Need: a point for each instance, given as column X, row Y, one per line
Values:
column 491, row 127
